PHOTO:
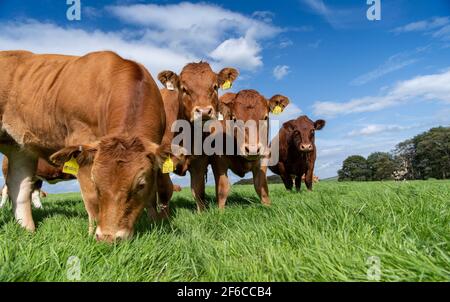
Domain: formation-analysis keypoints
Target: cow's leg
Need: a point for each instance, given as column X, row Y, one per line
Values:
column 165, row 191
column 309, row 177
column 298, row 182
column 222, row 184
column 285, row 177
column 198, row 169
column 89, row 195
column 4, row 196
column 21, row 170
column 36, row 195
column 260, row 184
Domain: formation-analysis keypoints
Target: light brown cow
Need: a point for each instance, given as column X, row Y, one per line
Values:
column 100, row 109
column 315, row 178
column 193, row 96
column 44, row 172
column 247, row 105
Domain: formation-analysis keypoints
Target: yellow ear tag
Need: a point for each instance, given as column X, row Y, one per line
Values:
column 71, row 167
column 226, row 85
column 167, row 166
column 277, row 109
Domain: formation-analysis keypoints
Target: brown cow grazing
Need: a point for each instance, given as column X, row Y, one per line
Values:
column 193, row 95
column 176, row 188
column 103, row 113
column 245, row 106
column 44, row 172
column 297, row 151
column 315, row 178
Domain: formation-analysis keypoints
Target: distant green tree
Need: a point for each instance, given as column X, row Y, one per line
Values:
column 382, row 166
column 354, row 168
column 427, row 155
column 404, row 156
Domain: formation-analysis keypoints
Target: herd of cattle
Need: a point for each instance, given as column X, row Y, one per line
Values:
column 105, row 118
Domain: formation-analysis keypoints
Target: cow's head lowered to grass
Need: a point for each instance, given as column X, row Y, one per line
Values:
column 124, row 171
column 250, row 106
column 198, row 86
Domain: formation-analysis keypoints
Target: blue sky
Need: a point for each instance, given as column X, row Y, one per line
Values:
column 375, row 82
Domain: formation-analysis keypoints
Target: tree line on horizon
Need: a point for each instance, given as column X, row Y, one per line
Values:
column 424, row 156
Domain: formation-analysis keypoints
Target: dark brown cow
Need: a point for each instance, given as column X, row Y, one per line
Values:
column 297, row 151
column 44, row 172
column 193, row 95
column 247, row 105
column 103, row 111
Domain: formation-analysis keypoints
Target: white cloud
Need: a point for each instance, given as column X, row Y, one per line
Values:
column 394, row 63
column 315, row 44
column 437, row 27
column 206, row 30
column 165, row 37
column 376, row 129
column 423, row 25
column 285, row 43
column 265, row 16
column 336, row 17
column 280, row 71
column 318, row 6
column 428, row 87
column 443, row 33
column 50, row 38
column 241, row 52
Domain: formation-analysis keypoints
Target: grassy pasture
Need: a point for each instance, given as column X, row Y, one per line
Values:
column 326, row 235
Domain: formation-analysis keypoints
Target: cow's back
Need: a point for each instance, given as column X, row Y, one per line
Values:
column 78, row 98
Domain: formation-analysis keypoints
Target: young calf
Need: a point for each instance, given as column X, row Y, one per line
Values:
column 245, row 106
column 297, row 151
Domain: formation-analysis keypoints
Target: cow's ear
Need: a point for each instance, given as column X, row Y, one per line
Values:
column 226, row 77
column 225, row 102
column 278, row 103
column 169, row 79
column 83, row 154
column 319, row 124
column 166, row 156
column 289, row 125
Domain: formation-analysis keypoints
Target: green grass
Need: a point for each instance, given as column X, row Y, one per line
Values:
column 326, row 235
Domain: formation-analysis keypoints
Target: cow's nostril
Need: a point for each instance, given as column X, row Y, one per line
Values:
column 247, row 150
column 210, row 111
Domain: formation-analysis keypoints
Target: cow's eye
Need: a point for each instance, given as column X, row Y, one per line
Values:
column 185, row 91
column 216, row 87
column 266, row 117
column 140, row 185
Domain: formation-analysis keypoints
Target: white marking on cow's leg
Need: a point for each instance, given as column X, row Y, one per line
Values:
column 5, row 196
column 36, row 199
column 21, row 170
